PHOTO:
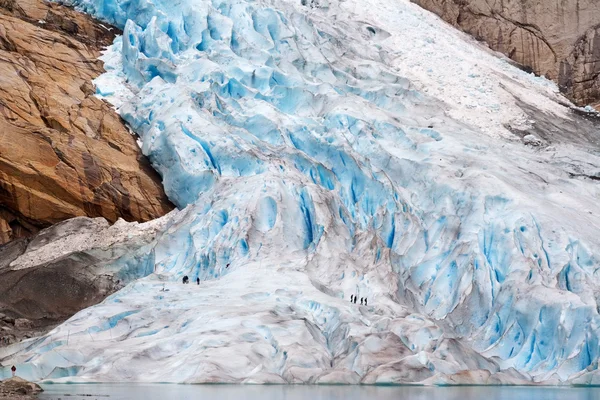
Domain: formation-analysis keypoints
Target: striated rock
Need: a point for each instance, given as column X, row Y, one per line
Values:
column 560, row 40
column 63, row 152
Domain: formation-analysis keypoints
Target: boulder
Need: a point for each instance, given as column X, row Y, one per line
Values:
column 14, row 387
column 23, row 324
column 532, row 140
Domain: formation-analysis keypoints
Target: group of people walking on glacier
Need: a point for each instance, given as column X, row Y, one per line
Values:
column 353, row 298
column 186, row 279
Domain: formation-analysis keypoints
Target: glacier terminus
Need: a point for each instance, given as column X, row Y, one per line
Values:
column 318, row 149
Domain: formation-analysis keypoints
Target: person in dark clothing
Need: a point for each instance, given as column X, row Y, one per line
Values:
column 361, row 301
column 354, row 299
column 186, row 279
column 365, row 301
column 14, row 371
column 227, row 266
column 198, row 281
column 351, row 298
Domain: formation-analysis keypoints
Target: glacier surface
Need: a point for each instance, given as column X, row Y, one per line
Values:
column 323, row 148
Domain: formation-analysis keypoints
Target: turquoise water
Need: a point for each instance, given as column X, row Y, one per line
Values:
column 226, row 392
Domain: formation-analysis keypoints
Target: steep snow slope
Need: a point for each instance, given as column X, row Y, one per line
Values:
column 320, row 149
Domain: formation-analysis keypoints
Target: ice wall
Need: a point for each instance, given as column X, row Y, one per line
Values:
column 321, row 149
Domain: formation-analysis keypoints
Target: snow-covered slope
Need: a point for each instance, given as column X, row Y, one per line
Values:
column 320, row 149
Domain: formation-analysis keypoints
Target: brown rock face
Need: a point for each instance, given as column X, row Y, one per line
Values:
column 560, row 40
column 18, row 388
column 63, row 152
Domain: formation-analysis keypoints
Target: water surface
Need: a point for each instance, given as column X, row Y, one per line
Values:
column 278, row 392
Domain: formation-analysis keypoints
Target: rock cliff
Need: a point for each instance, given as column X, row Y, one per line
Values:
column 63, row 152
column 560, row 40
column 72, row 265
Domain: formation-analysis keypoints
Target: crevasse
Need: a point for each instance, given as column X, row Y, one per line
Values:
column 301, row 155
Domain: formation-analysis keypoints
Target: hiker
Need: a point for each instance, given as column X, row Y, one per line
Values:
column 361, row 301
column 186, row 279
column 365, row 301
column 14, row 371
column 198, row 281
column 227, row 266
column 351, row 298
column 354, row 299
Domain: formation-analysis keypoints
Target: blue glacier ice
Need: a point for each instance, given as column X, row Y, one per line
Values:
column 323, row 148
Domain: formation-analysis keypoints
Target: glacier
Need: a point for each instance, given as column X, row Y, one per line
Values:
column 322, row 148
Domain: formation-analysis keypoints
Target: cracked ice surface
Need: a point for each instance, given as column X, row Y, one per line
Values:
column 323, row 149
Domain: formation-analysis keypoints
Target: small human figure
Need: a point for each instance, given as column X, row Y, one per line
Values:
column 198, row 281
column 365, row 301
column 361, row 301
column 227, row 266
column 186, row 279
column 354, row 299
column 351, row 298
column 14, row 371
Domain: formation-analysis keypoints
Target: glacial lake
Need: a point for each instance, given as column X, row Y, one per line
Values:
column 279, row 392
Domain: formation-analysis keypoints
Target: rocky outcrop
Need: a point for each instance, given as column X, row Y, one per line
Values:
column 18, row 388
column 63, row 152
column 70, row 266
column 560, row 40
